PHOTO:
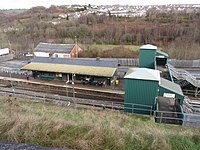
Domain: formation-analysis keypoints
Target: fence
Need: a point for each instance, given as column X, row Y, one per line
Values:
column 168, row 117
column 185, row 63
column 13, row 71
column 138, row 108
column 191, row 119
column 6, row 57
column 128, row 61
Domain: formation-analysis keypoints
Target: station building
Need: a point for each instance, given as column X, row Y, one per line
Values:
column 92, row 71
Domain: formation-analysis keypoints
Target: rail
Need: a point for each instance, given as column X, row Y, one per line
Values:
column 182, row 74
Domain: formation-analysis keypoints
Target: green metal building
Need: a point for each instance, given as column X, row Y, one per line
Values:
column 141, row 89
column 147, row 56
column 150, row 57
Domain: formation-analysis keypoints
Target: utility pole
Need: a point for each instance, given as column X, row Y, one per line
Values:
column 73, row 75
column 76, row 41
column 12, row 87
column 67, row 88
column 67, row 94
column 9, row 45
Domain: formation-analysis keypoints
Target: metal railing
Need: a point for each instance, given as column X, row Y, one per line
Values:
column 182, row 74
column 191, row 106
column 168, row 117
column 138, row 108
column 13, row 71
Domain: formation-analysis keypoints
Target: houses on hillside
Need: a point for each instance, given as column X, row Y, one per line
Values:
column 76, row 11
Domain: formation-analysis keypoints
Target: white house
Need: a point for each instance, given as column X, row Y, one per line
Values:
column 4, row 51
column 57, row 50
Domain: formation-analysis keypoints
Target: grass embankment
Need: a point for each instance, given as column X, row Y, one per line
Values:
column 108, row 47
column 53, row 126
column 109, row 51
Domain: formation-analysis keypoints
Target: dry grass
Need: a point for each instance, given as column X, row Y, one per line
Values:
column 103, row 47
column 110, row 51
column 53, row 126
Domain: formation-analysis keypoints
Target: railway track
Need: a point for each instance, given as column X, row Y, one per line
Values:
column 77, row 93
column 63, row 91
column 61, row 100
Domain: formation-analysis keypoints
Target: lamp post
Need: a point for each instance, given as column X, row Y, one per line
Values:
column 67, row 88
column 73, row 89
column 73, row 75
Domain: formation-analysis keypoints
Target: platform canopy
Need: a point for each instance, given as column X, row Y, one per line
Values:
column 71, row 69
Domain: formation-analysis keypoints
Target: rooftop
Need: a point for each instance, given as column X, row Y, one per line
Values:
column 78, row 61
column 149, row 46
column 53, row 48
column 143, row 74
column 171, row 86
column 75, row 69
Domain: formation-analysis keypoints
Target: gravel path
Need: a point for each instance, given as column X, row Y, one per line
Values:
column 16, row 146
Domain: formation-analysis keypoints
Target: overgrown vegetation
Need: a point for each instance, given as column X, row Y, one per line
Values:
column 176, row 32
column 53, row 126
column 110, row 51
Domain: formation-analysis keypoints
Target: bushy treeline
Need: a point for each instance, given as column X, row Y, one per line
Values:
column 176, row 32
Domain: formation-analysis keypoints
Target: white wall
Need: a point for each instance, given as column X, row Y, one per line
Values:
column 4, row 51
column 41, row 54
column 61, row 55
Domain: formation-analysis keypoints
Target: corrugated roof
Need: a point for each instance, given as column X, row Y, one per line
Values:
column 143, row 74
column 63, row 68
column 54, row 48
column 148, row 46
column 171, row 86
column 78, row 61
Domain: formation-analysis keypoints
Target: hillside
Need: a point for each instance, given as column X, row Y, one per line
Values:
column 55, row 126
column 178, row 33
